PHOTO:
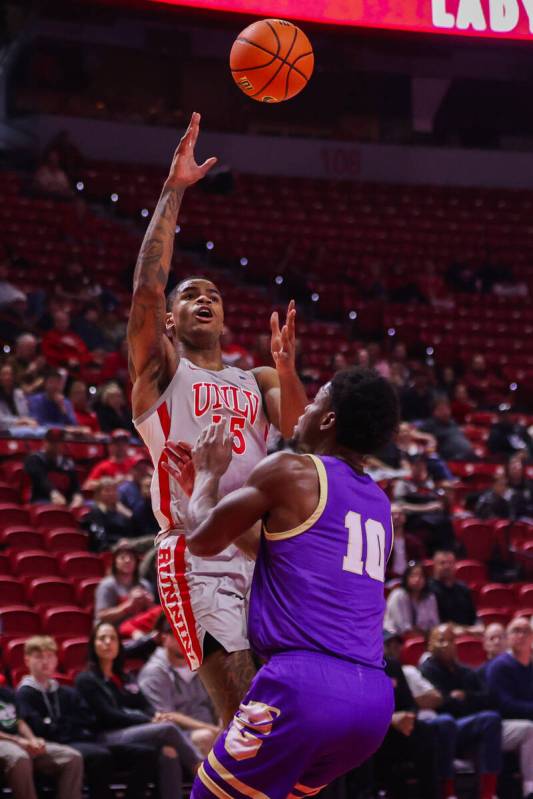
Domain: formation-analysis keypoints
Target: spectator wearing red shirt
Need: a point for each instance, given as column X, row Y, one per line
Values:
column 119, row 463
column 461, row 403
column 79, row 398
column 115, row 366
column 62, row 347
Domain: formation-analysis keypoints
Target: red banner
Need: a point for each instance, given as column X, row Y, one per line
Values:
column 502, row 19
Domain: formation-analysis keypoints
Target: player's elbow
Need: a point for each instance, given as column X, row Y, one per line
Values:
column 202, row 547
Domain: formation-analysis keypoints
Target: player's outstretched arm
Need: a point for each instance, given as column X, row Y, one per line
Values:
column 211, row 525
column 282, row 390
column 148, row 344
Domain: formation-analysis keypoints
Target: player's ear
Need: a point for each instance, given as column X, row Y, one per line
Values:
column 328, row 421
column 169, row 324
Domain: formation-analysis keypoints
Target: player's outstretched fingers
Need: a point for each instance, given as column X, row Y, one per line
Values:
column 173, row 472
column 274, row 323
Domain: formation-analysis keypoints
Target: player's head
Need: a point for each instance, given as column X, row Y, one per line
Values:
column 195, row 315
column 357, row 411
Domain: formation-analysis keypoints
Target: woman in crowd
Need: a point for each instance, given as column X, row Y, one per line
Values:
column 113, row 411
column 412, row 607
column 124, row 714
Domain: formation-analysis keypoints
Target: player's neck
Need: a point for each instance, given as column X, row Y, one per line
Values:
column 205, row 358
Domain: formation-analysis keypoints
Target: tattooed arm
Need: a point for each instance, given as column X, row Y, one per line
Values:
column 152, row 357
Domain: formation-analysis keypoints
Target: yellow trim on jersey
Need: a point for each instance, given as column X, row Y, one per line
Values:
column 391, row 540
column 211, row 784
column 228, row 777
column 318, row 511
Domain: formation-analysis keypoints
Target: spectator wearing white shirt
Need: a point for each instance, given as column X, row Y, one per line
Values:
column 412, row 607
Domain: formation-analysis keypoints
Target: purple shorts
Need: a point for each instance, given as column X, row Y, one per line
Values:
column 306, row 719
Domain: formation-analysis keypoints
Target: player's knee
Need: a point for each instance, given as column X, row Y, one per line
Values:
column 170, row 752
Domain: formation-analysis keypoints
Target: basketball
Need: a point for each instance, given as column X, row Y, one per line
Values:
column 271, row 60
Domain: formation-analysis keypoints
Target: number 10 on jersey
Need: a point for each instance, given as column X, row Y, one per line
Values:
column 375, row 547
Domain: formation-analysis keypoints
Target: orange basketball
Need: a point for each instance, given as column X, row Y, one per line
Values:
column 271, row 60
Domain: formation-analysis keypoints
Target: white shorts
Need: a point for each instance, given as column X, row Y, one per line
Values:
column 204, row 595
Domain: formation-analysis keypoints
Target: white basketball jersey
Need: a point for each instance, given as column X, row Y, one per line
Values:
column 194, row 398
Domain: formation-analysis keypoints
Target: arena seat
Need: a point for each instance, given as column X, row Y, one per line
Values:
column 11, row 515
column 50, row 591
column 412, row 651
column 496, row 595
column 16, row 537
column 85, row 590
column 495, row 615
column 66, row 621
column 18, row 619
column 35, row 563
column 11, row 591
column 73, row 653
column 470, row 651
column 13, row 652
column 5, row 566
column 9, row 495
column 61, row 540
column 513, row 533
column 477, row 539
column 525, row 594
column 472, row 572
column 81, row 564
column 48, row 517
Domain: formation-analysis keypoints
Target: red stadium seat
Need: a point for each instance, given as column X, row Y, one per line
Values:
column 16, row 620
column 471, row 572
column 9, row 494
column 11, row 515
column 50, row 591
column 21, row 538
column 495, row 615
column 61, row 540
column 524, row 613
column 35, row 563
column 412, row 651
column 85, row 590
column 470, row 651
column 73, row 653
column 11, row 591
column 5, row 565
column 512, row 533
column 477, row 539
column 496, row 595
column 81, row 564
column 67, row 621
column 13, row 652
column 48, row 517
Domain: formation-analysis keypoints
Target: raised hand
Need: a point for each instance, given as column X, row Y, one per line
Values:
column 213, row 450
column 283, row 342
column 179, row 464
column 184, row 171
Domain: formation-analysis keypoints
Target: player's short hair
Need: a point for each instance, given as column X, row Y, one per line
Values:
column 366, row 409
column 171, row 296
column 38, row 644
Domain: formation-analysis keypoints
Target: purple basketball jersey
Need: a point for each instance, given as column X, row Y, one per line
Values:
column 319, row 587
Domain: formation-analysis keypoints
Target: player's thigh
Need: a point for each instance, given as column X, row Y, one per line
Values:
column 226, row 677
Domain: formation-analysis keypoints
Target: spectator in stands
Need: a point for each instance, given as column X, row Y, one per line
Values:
column 56, row 713
column 425, row 506
column 123, row 593
column 113, row 411
column 461, row 404
column 79, row 398
column 508, row 437
column 87, row 327
column 22, row 753
column 14, row 411
column 51, row 180
column 124, row 714
column 452, row 444
column 469, row 703
column 424, row 700
column 117, row 465
column 130, row 491
column 177, row 692
column 482, row 383
column 115, row 365
column 51, row 408
column 454, row 599
column 108, row 520
column 412, row 607
column 494, row 502
column 28, row 365
column 233, row 354
column 417, row 398
column 520, row 488
column 494, row 644
column 510, row 681
column 142, row 518
column 62, row 347
column 52, row 475
column 406, row 547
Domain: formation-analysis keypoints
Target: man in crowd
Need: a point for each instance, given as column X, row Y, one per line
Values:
column 22, row 753
column 52, row 475
column 508, row 437
column 465, row 698
column 177, row 693
column 51, row 408
column 454, row 599
column 117, row 465
column 108, row 520
column 452, row 444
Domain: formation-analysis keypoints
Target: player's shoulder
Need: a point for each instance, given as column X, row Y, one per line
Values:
column 266, row 377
